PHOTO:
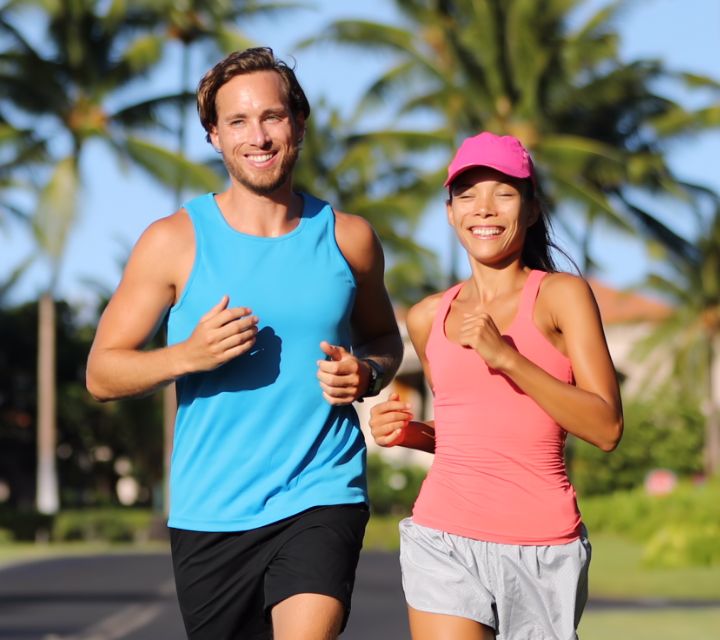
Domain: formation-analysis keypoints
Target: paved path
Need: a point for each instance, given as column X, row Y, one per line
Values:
column 132, row 597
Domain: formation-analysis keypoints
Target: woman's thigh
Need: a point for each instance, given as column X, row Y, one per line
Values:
column 436, row 626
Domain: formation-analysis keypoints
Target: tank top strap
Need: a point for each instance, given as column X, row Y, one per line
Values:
column 205, row 218
column 438, row 325
column 530, row 293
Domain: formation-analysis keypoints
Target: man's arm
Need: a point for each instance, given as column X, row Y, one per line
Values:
column 118, row 366
column 375, row 334
column 391, row 422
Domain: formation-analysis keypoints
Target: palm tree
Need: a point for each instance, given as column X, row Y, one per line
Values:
column 365, row 174
column 67, row 88
column 686, row 344
column 595, row 125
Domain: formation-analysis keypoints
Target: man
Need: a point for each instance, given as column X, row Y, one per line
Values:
column 278, row 319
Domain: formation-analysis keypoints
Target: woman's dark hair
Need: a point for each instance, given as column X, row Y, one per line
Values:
column 242, row 62
column 536, row 253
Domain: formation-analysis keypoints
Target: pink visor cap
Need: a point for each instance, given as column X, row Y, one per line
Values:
column 502, row 153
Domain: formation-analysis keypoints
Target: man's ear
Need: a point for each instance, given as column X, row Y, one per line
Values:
column 214, row 140
column 300, row 126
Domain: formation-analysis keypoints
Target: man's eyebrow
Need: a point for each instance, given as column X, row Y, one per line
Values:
column 269, row 111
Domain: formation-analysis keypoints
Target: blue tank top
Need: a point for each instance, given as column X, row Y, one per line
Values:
column 255, row 441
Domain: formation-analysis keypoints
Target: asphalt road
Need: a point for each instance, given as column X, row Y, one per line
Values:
column 132, row 597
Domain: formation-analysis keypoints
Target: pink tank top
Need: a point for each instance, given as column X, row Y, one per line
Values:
column 499, row 472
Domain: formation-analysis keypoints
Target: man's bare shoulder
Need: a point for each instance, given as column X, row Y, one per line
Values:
column 170, row 233
column 354, row 226
column 164, row 254
column 359, row 244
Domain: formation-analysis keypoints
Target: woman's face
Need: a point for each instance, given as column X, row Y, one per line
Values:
column 489, row 214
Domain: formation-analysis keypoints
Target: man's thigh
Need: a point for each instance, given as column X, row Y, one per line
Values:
column 219, row 583
column 319, row 556
column 228, row 582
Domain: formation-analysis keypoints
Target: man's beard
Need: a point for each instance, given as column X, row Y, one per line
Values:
column 268, row 184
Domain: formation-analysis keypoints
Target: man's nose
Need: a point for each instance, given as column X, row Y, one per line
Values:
column 258, row 135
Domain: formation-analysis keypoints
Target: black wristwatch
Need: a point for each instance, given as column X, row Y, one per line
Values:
column 375, row 383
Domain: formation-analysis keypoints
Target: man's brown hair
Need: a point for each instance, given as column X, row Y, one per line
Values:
column 239, row 63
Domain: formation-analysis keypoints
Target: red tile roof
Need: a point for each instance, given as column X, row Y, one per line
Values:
column 618, row 306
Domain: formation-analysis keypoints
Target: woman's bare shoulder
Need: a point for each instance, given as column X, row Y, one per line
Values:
column 420, row 316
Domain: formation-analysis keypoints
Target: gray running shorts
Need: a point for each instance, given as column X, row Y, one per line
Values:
column 523, row 592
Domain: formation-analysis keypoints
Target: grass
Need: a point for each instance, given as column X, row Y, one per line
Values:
column 673, row 624
column 14, row 552
column 617, row 571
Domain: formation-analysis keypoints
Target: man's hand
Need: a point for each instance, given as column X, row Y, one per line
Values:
column 343, row 378
column 222, row 334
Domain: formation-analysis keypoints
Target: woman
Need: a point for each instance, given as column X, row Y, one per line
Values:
column 517, row 359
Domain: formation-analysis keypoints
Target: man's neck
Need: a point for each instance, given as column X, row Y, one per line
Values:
column 270, row 215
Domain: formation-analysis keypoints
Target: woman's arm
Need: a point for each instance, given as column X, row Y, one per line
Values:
column 391, row 422
column 590, row 409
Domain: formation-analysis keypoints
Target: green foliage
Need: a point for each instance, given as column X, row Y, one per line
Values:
column 392, row 488
column 382, row 533
column 594, row 121
column 676, row 546
column 664, row 431
column 23, row 524
column 109, row 525
column 669, row 526
column 91, row 436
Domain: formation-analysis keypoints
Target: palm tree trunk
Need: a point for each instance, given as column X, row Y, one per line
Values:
column 47, row 498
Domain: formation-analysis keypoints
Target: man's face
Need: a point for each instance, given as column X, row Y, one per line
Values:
column 255, row 132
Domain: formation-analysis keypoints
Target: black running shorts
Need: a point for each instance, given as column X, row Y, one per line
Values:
column 227, row 582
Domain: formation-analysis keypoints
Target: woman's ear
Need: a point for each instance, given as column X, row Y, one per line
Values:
column 533, row 212
column 448, row 211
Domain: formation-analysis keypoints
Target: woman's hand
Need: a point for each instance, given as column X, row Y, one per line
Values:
column 388, row 420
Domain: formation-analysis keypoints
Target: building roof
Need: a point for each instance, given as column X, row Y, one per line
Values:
column 618, row 306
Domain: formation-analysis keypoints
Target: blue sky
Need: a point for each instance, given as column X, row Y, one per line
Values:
column 117, row 206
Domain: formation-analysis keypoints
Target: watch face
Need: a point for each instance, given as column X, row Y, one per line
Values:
column 375, row 382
